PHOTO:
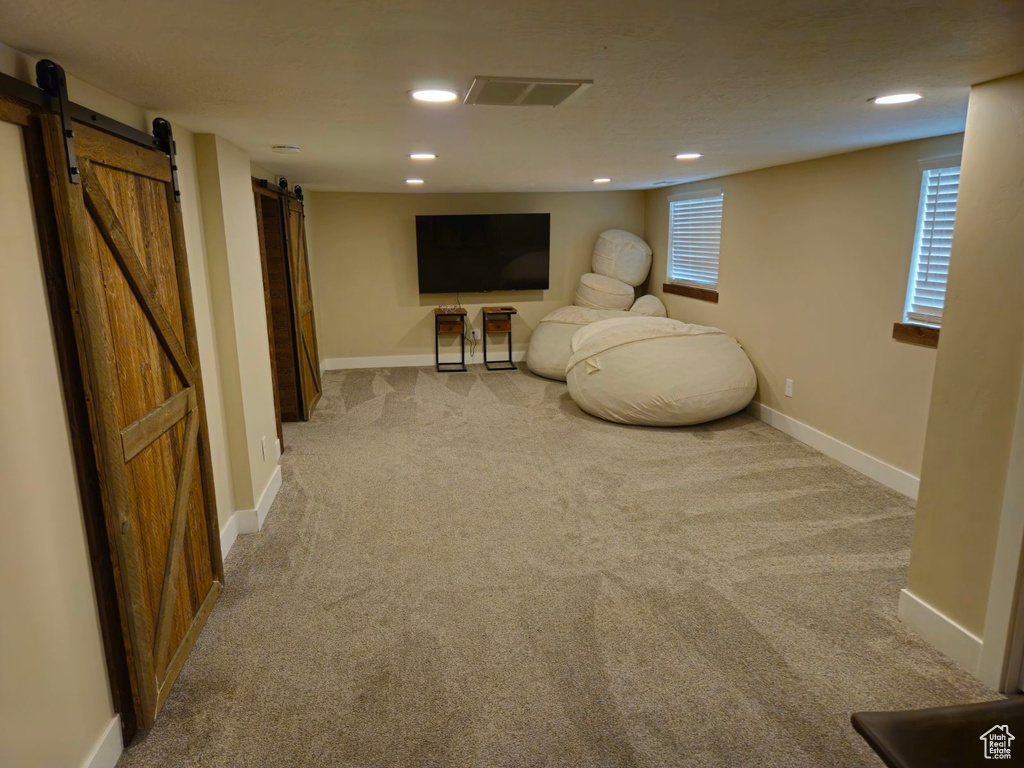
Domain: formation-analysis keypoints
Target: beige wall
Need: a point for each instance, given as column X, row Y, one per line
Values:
column 979, row 369
column 259, row 172
column 364, row 251
column 815, row 260
column 814, row 264
column 236, row 285
column 54, row 697
column 22, row 66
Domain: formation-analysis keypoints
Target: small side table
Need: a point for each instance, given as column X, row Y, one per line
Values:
column 499, row 320
column 450, row 321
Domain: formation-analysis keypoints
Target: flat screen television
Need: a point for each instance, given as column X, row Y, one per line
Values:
column 476, row 253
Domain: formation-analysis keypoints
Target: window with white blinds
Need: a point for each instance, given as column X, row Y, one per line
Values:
column 926, row 291
column 695, row 233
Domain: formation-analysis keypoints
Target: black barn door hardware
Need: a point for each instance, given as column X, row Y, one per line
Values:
column 165, row 141
column 52, row 95
column 282, row 188
column 51, row 79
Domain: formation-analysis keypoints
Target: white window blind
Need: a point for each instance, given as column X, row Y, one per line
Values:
column 694, row 238
column 926, row 292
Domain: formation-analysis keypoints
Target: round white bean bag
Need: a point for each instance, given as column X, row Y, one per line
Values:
column 623, row 256
column 649, row 305
column 603, row 292
column 550, row 343
column 658, row 372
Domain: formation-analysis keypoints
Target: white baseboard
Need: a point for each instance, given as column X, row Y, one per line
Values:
column 255, row 517
column 109, row 747
column 412, row 361
column 228, row 534
column 940, row 631
column 250, row 520
column 876, row 469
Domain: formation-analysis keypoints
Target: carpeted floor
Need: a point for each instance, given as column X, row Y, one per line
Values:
column 466, row 570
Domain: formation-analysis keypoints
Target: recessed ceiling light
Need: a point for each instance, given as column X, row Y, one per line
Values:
column 601, row 181
column 897, row 98
column 434, row 95
column 423, row 156
column 688, row 155
column 286, row 149
column 414, row 181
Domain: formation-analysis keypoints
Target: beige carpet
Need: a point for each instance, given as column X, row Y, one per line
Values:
column 466, row 570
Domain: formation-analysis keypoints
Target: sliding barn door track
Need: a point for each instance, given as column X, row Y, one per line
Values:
column 52, row 95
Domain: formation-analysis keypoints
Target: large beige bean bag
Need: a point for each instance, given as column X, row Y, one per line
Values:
column 649, row 305
column 623, row 256
column 658, row 372
column 602, row 292
column 551, row 341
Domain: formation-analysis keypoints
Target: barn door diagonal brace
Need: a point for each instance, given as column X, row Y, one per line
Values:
column 165, row 142
column 51, row 79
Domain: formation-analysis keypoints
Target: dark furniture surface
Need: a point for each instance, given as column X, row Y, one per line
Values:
column 450, row 321
column 499, row 320
column 945, row 737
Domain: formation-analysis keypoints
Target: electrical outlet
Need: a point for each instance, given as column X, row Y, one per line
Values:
column 789, row 387
column 263, row 445
column 474, row 333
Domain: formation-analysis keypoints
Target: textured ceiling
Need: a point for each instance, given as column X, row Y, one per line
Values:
column 749, row 83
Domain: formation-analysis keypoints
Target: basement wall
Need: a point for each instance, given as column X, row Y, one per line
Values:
column 363, row 261
column 815, row 258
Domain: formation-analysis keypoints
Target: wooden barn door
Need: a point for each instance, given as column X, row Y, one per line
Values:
column 277, row 296
column 309, row 359
column 123, row 249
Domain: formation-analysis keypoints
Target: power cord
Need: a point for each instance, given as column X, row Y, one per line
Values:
column 469, row 329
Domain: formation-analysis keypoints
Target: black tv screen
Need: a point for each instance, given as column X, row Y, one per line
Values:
column 497, row 252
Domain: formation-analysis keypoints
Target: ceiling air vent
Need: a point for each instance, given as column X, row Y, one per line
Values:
column 523, row 92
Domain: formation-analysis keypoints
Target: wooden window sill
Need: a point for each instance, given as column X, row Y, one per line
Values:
column 911, row 333
column 691, row 292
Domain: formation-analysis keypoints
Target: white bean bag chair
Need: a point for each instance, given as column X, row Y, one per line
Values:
column 551, row 342
column 658, row 372
column 602, row 292
column 622, row 256
column 649, row 305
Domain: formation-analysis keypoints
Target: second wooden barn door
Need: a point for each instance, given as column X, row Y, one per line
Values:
column 308, row 357
column 123, row 249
